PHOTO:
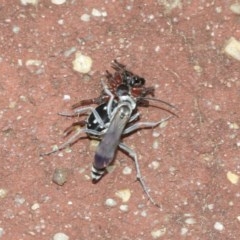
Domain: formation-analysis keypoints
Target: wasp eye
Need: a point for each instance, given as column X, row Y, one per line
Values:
column 137, row 81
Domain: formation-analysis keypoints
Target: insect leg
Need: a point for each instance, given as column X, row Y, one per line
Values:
column 141, row 125
column 110, row 102
column 80, row 111
column 71, row 140
column 133, row 155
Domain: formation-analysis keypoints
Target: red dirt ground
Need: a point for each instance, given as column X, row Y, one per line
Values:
column 179, row 52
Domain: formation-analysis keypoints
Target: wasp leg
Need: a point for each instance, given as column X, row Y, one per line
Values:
column 133, row 155
column 68, row 130
column 141, row 125
column 70, row 141
column 111, row 98
column 80, row 111
column 134, row 117
column 73, row 139
column 99, row 100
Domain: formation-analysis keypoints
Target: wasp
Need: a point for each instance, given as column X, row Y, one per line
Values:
column 115, row 116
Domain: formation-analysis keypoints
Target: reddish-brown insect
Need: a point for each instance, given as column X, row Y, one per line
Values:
column 134, row 83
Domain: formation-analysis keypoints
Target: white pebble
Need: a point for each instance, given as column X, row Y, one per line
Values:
column 96, row 13
column 127, row 170
column 66, row 97
column 235, row 8
column 143, row 213
column 1, row 232
column 3, row 193
column 19, row 200
column 124, row 194
column 123, row 208
column 110, row 202
column 33, row 2
column 154, row 165
column 184, row 231
column 82, row 63
column 158, row 233
column 155, row 144
column 85, row 17
column 156, row 134
column 33, row 62
column 16, row 29
column 35, row 206
column 157, row 48
column 60, row 236
column 233, row 126
column 232, row 48
column 210, row 206
column 232, row 177
column 60, row 21
column 58, row 2
column 218, row 226
column 190, row 221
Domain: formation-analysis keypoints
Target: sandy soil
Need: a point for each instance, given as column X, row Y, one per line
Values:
column 191, row 166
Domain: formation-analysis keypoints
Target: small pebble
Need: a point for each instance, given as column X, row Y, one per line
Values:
column 232, row 48
column 34, row 66
column 124, row 194
column 66, row 97
column 35, row 206
column 110, row 202
column 96, row 12
column 198, row 68
column 235, row 8
column 82, row 63
column 85, row 17
column 16, row 29
column 155, row 134
column 210, row 206
column 19, row 200
column 127, row 170
column 184, row 231
column 158, row 233
column 33, row 62
column 155, row 144
column 60, row 21
column 58, row 2
column 12, row 105
column 233, row 126
column 60, row 236
column 190, row 221
column 60, row 176
column 218, row 226
column 143, row 213
column 1, row 232
column 33, row 2
column 154, row 165
column 124, row 208
column 232, row 177
column 3, row 193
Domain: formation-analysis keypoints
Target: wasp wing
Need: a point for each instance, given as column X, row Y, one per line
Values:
column 108, row 145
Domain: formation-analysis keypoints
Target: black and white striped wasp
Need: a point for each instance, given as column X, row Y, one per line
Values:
column 115, row 117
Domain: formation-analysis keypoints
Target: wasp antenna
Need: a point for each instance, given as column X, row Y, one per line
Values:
column 158, row 100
